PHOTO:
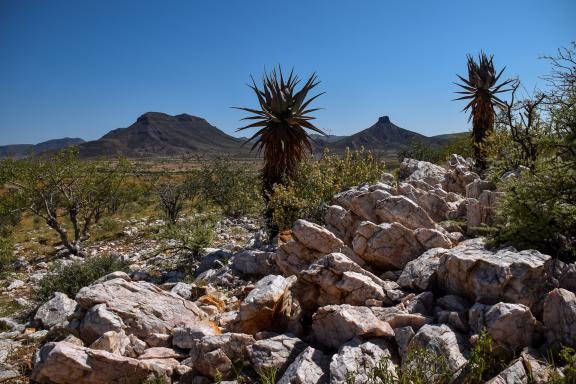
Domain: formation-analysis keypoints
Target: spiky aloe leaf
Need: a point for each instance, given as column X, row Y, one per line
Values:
column 284, row 118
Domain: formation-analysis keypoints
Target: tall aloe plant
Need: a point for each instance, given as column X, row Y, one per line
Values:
column 283, row 116
column 481, row 89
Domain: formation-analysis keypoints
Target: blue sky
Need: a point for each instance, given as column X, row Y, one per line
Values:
column 81, row 68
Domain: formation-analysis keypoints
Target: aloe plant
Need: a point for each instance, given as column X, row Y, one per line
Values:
column 283, row 116
column 481, row 89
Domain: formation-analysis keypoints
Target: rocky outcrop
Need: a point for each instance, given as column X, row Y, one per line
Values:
column 267, row 305
column 560, row 317
column 66, row 363
column 511, row 326
column 142, row 307
column 356, row 359
column 391, row 272
column 55, row 312
column 333, row 325
column 442, row 340
column 488, row 277
column 310, row 367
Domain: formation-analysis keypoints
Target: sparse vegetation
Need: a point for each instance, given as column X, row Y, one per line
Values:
column 486, row 361
column 315, row 182
column 62, row 190
column 539, row 207
column 172, row 195
column 231, row 186
column 70, row 278
column 420, row 151
column 190, row 237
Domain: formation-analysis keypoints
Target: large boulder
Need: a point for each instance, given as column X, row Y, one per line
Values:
column 65, row 363
column 482, row 210
column 267, row 305
column 442, row 340
column 386, row 246
column 275, row 353
column 55, row 312
column 333, row 325
column 310, row 367
column 339, row 280
column 341, row 222
column 560, row 317
column 315, row 237
column 97, row 321
column 252, row 262
column 184, row 337
column 420, row 273
column 356, row 359
column 400, row 209
column 363, row 205
column 510, row 325
column 143, row 307
column 411, row 169
column 489, row 277
column 213, row 355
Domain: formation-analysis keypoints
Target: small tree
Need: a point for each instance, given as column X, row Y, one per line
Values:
column 526, row 127
column 67, row 193
column 172, row 195
column 231, row 186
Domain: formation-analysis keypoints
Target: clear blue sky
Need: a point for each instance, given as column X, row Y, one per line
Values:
column 81, row 68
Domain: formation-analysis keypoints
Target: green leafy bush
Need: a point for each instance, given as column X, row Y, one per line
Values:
column 317, row 180
column 70, row 278
column 539, row 207
column 486, row 361
column 191, row 236
column 419, row 150
column 539, row 210
column 7, row 256
column 462, row 145
column 232, row 186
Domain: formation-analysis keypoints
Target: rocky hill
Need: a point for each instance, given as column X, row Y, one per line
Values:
column 160, row 135
column 385, row 136
column 19, row 151
column 396, row 268
column 156, row 134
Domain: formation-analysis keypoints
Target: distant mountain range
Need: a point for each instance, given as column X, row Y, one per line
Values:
column 156, row 134
column 160, row 135
column 19, row 151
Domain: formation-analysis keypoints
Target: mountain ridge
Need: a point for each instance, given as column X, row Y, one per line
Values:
column 157, row 134
column 19, row 151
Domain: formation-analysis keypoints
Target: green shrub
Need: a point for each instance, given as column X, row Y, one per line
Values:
column 7, row 256
column 109, row 227
column 230, row 185
column 486, row 361
column 70, row 278
column 419, row 150
column 423, row 366
column 539, row 207
column 539, row 211
column 462, row 145
column 191, row 236
column 317, row 181
column 565, row 357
